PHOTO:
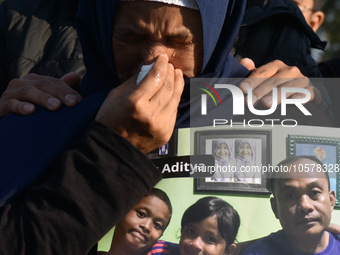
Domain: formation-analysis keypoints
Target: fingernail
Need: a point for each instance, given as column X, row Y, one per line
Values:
column 245, row 85
column 53, row 103
column 179, row 71
column 28, row 108
column 70, row 99
column 254, row 98
column 297, row 96
column 268, row 100
column 166, row 56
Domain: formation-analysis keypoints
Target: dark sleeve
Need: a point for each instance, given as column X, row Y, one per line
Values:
column 3, row 55
column 27, row 153
column 278, row 37
column 92, row 186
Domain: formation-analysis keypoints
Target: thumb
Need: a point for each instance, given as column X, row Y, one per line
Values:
column 248, row 63
column 72, row 79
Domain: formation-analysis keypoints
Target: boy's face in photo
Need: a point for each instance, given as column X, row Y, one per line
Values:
column 303, row 205
column 144, row 30
column 144, row 224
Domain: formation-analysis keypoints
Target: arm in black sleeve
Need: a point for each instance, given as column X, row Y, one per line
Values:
column 3, row 48
column 92, row 186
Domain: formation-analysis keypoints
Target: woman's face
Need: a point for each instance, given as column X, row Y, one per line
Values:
column 202, row 238
column 222, row 151
column 245, row 150
column 144, row 30
column 143, row 225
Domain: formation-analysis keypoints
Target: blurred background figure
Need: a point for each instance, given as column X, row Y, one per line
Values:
column 38, row 36
column 277, row 29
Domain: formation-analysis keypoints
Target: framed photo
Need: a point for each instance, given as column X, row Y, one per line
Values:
column 166, row 150
column 326, row 149
column 239, row 156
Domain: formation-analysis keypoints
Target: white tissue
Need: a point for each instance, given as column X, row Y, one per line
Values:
column 143, row 72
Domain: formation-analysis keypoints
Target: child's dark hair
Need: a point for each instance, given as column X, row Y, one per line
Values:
column 228, row 219
column 162, row 196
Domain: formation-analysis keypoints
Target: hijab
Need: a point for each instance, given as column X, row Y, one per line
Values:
column 47, row 134
column 248, row 160
column 215, row 146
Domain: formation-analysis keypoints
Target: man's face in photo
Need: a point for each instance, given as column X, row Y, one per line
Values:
column 303, row 204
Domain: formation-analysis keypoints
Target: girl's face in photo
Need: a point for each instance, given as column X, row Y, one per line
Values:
column 144, row 224
column 245, row 150
column 222, row 151
column 202, row 238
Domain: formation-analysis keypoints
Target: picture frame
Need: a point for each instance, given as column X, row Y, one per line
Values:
column 233, row 179
column 326, row 149
column 166, row 150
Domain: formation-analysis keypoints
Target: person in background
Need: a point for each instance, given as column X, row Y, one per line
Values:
column 266, row 23
column 312, row 11
column 271, row 30
column 40, row 37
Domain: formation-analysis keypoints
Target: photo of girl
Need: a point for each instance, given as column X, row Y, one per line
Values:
column 222, row 153
column 245, row 157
